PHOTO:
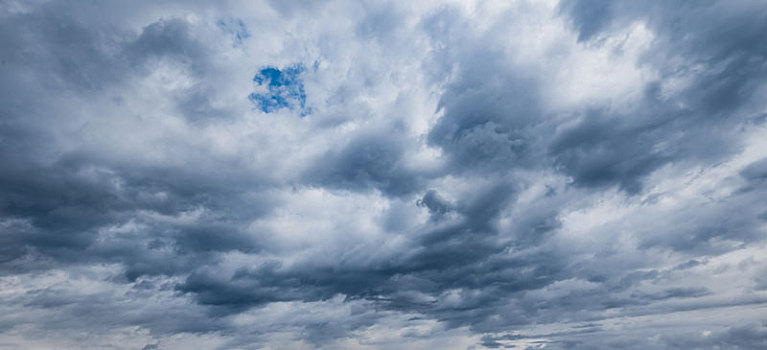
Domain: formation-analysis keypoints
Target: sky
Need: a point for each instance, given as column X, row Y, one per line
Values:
column 290, row 174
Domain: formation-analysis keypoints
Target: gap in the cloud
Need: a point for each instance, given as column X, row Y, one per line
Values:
column 284, row 89
column 236, row 28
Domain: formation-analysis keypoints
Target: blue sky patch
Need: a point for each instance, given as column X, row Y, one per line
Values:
column 285, row 89
column 236, row 28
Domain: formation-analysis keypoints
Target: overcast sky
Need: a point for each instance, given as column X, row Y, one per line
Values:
column 289, row 174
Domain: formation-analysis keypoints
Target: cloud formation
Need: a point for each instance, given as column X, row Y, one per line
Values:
column 572, row 174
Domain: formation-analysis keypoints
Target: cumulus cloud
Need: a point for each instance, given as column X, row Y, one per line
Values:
column 571, row 174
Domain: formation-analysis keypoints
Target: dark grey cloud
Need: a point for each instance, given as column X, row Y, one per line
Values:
column 579, row 175
column 370, row 161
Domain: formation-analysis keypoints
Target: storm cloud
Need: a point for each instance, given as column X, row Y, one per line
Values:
column 574, row 174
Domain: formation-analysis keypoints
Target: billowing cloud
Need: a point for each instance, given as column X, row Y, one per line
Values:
column 288, row 174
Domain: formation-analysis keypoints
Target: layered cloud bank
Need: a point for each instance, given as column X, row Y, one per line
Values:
column 385, row 175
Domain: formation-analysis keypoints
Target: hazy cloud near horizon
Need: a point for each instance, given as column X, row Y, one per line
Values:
column 579, row 174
